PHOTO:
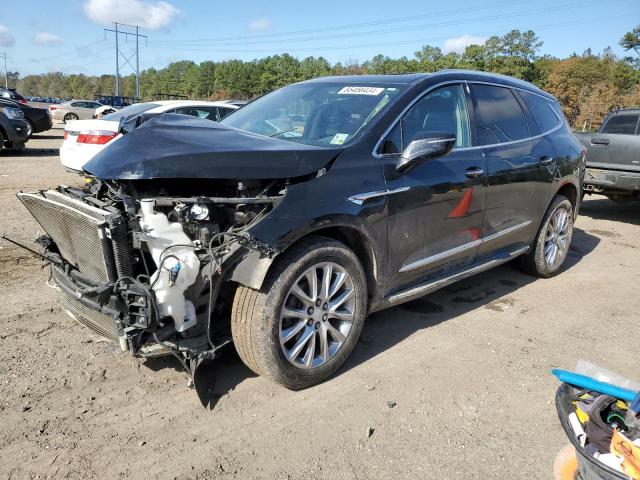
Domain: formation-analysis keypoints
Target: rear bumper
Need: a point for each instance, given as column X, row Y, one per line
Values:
column 42, row 124
column 74, row 156
column 597, row 180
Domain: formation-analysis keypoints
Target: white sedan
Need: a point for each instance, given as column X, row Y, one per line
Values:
column 83, row 139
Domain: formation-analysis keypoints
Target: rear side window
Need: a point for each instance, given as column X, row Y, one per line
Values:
column 499, row 116
column 541, row 110
column 625, row 124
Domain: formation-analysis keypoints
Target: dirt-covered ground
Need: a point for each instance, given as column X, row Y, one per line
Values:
column 455, row 385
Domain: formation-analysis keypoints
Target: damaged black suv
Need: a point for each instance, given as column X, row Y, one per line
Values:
column 283, row 226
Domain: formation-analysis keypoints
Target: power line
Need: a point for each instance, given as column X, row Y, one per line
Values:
column 359, row 25
column 402, row 42
column 69, row 52
column 402, row 29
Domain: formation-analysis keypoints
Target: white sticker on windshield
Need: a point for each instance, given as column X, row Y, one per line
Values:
column 360, row 91
column 339, row 138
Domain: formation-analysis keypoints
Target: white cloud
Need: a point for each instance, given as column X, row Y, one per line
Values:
column 458, row 44
column 6, row 37
column 47, row 39
column 150, row 15
column 260, row 24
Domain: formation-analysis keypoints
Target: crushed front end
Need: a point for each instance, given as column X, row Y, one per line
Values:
column 143, row 265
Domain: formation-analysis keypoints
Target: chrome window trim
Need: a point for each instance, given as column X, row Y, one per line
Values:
column 465, row 84
column 461, row 248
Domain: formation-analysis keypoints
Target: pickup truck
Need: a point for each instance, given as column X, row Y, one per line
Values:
column 613, row 156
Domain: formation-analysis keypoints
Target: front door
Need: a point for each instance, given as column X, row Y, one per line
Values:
column 435, row 210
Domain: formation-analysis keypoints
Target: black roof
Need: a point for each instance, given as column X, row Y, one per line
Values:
column 395, row 79
column 441, row 75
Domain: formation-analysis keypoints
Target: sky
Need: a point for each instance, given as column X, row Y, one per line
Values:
column 68, row 35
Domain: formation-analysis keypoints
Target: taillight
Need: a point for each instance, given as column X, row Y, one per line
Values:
column 96, row 137
column 66, row 134
column 23, row 101
column 52, row 108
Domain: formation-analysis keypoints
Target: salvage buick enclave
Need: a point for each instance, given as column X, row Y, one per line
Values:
column 283, row 226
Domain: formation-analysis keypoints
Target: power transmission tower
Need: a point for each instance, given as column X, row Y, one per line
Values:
column 6, row 80
column 126, row 58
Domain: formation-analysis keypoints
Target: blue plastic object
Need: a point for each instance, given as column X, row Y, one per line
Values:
column 589, row 383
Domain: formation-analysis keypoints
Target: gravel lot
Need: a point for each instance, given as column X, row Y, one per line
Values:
column 455, row 385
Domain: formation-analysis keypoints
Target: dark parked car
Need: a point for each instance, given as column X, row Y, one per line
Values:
column 38, row 119
column 307, row 209
column 11, row 94
column 613, row 156
column 13, row 127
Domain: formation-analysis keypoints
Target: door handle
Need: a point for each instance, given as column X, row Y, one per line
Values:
column 600, row 141
column 474, row 172
column 546, row 160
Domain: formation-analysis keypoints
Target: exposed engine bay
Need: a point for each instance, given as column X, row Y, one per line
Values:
column 143, row 263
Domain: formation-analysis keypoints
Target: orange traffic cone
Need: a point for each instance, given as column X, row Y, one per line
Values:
column 462, row 208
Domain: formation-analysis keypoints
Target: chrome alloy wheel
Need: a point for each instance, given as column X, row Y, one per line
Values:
column 317, row 315
column 558, row 235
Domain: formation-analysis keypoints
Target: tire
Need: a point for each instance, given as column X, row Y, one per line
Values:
column 268, row 340
column 30, row 129
column 69, row 117
column 536, row 261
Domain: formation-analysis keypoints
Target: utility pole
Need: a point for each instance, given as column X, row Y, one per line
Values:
column 117, row 62
column 6, row 79
column 127, row 59
column 137, row 65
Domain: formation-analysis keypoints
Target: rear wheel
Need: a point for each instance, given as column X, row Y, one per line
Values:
column 306, row 320
column 552, row 242
column 69, row 117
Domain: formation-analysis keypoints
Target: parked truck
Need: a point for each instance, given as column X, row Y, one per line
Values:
column 613, row 156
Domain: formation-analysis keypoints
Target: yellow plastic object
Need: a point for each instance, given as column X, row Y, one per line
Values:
column 622, row 405
column 582, row 415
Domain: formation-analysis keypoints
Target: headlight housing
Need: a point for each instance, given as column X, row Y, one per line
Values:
column 12, row 113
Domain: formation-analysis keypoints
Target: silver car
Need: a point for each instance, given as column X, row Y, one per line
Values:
column 73, row 110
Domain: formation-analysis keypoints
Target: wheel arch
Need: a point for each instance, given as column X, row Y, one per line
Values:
column 253, row 269
column 569, row 190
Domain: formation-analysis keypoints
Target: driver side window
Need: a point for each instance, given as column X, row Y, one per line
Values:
column 442, row 110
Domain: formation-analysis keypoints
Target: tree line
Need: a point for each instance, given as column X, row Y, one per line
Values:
column 588, row 85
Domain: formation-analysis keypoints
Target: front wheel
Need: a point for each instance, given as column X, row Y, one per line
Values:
column 303, row 324
column 29, row 128
column 551, row 245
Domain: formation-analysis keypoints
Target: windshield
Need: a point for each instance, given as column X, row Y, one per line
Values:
column 320, row 114
column 127, row 112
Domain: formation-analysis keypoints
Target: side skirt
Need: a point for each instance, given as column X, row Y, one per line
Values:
column 419, row 290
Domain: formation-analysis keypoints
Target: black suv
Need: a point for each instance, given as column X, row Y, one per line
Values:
column 283, row 226
column 37, row 119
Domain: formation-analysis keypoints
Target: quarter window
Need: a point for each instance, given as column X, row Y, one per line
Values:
column 541, row 110
column 442, row 110
column 499, row 115
column 625, row 124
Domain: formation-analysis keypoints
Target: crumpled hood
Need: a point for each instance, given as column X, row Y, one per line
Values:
column 180, row 146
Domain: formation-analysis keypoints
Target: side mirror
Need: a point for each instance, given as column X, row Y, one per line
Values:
column 423, row 146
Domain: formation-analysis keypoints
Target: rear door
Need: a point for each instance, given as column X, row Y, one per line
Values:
column 617, row 144
column 520, row 169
